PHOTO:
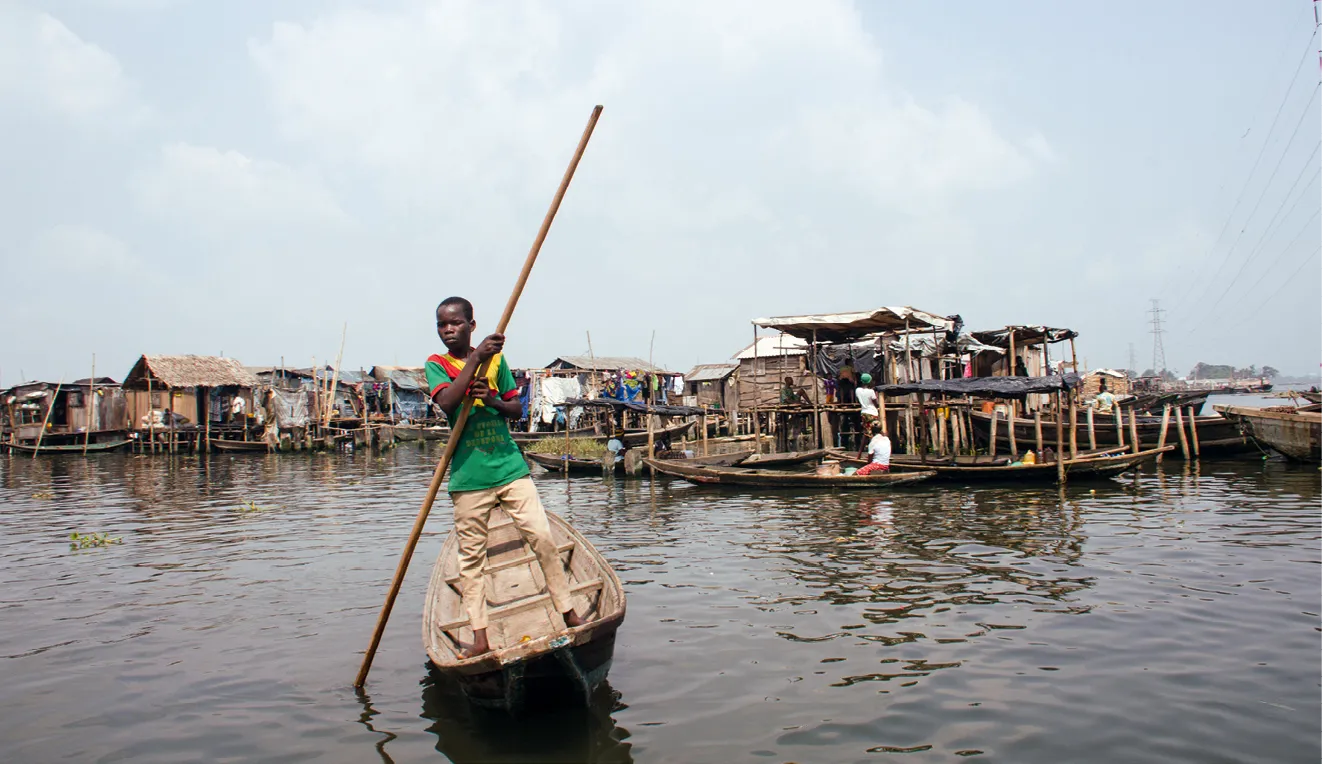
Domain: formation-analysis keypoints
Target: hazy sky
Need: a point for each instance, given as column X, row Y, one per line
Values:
column 246, row 177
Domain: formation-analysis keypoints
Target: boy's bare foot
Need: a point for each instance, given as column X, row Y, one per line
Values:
column 479, row 645
column 572, row 620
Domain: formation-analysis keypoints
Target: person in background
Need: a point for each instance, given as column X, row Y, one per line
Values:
column 791, row 394
column 1020, row 370
column 616, row 445
column 867, row 402
column 1104, row 401
column 879, row 451
column 846, row 381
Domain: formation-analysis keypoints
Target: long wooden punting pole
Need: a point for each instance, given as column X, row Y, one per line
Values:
column 1165, row 425
column 1179, row 428
column 335, row 383
column 457, row 430
column 1193, row 432
column 89, row 406
column 46, row 421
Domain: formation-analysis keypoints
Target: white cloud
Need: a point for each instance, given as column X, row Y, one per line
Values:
column 80, row 250
column 43, row 63
column 228, row 192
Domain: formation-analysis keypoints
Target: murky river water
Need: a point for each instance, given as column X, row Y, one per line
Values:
column 1169, row 618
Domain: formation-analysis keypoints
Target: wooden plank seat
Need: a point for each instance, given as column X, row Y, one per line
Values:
column 523, row 604
column 512, row 562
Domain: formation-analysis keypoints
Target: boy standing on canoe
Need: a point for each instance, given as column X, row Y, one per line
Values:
column 488, row 470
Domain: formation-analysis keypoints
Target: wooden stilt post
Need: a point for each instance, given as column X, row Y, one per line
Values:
column 704, row 432
column 1135, row 446
column 1119, row 426
column 1037, row 429
column 922, row 415
column 1165, row 425
column 1092, row 431
column 881, row 416
column 1193, row 432
column 1060, row 440
column 651, row 439
column 1179, row 426
column 1014, row 444
column 1074, row 427
column 991, row 450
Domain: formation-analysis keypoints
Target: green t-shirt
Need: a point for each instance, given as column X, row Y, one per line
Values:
column 487, row 456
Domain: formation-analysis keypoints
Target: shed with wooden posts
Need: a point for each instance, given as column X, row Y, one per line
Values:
column 189, row 396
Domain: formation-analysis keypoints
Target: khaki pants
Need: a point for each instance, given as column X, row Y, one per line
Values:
column 472, row 512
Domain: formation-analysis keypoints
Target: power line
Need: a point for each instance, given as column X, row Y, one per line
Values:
column 1290, row 280
column 1266, row 140
column 1307, row 108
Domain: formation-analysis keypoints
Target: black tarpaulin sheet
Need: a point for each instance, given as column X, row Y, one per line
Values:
column 994, row 387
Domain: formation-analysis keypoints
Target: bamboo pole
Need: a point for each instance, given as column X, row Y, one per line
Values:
column 1092, row 431
column 881, row 415
column 1119, row 426
column 335, row 382
column 704, row 432
column 1133, row 432
column 651, row 441
column 757, row 393
column 90, row 406
column 1193, row 432
column 992, row 450
column 592, row 376
column 1165, row 425
column 816, row 393
column 45, row 422
column 1060, row 440
column 151, row 412
column 1037, row 428
column 922, row 417
column 1179, row 426
column 458, row 427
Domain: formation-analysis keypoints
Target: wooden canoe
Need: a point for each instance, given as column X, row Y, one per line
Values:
column 1094, row 466
column 1295, row 434
column 531, row 649
column 1216, row 434
column 632, row 438
column 559, row 463
column 70, row 448
column 745, row 476
column 787, row 459
column 249, row 446
column 572, row 464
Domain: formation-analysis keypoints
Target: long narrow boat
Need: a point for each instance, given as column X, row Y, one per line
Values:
column 1293, row 433
column 577, row 465
column 787, row 459
column 531, row 648
column 247, row 446
column 746, row 476
column 632, row 438
column 1216, row 434
column 70, row 448
column 1101, row 465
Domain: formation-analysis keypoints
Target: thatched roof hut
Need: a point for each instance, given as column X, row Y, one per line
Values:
column 183, row 371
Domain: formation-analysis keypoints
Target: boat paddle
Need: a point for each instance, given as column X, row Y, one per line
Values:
column 457, row 431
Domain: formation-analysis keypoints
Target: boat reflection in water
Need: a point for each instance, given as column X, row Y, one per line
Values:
column 546, row 732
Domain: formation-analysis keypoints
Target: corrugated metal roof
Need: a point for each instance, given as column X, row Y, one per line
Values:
column 777, row 344
column 844, row 327
column 190, row 371
column 710, row 372
column 606, row 363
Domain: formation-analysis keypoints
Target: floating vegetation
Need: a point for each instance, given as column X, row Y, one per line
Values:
column 249, row 506
column 583, row 448
column 43, row 495
column 91, row 540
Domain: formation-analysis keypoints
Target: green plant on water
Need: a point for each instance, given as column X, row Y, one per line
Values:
column 581, row 448
column 249, row 506
column 43, row 495
column 91, row 540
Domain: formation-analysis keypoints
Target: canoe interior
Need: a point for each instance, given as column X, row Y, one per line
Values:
column 748, row 476
column 783, row 459
column 524, row 627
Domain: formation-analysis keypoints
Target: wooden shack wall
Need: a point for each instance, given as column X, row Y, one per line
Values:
column 759, row 380
column 1092, row 384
